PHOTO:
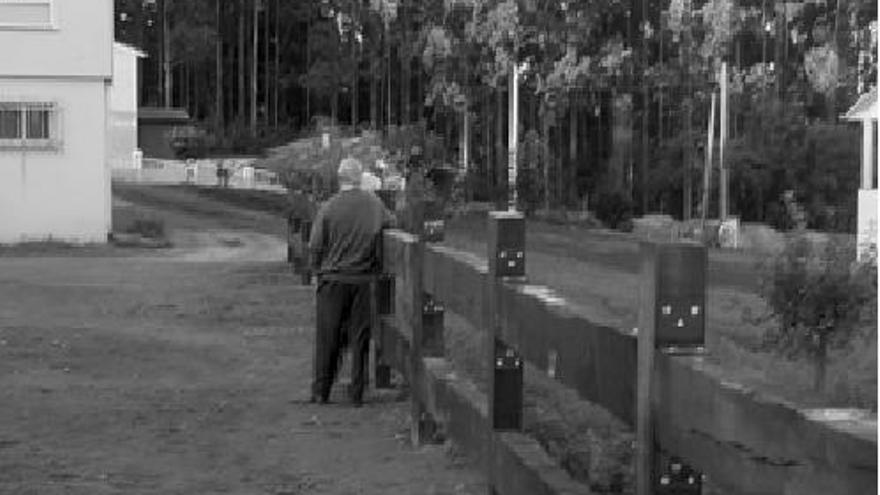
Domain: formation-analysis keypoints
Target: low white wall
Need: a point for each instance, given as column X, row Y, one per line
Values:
column 203, row 173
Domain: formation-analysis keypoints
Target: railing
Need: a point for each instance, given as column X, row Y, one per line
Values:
column 656, row 379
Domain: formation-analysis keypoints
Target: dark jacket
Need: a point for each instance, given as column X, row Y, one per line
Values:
column 346, row 234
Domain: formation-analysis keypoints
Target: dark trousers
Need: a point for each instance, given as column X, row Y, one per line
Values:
column 343, row 319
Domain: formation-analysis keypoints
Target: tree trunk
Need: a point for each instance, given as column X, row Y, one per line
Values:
column 488, row 143
column 405, row 89
column 573, row 148
column 545, row 138
column 420, row 93
column 166, row 56
column 218, row 80
column 374, row 93
column 500, row 155
column 255, row 57
column 356, row 60
column 266, row 31
column 308, row 63
column 387, row 93
column 405, row 64
column 184, row 69
column 277, row 62
column 560, row 164
column 241, row 66
column 821, row 364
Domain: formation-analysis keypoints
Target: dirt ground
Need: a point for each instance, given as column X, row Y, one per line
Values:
column 185, row 371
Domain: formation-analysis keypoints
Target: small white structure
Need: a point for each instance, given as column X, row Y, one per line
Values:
column 865, row 111
column 56, row 60
column 122, row 120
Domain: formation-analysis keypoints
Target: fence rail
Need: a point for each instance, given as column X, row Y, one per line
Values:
column 745, row 441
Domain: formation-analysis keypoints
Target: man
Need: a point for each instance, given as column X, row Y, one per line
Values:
column 299, row 211
column 344, row 247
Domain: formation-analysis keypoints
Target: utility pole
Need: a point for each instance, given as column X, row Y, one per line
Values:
column 707, row 170
column 722, row 186
column 512, row 134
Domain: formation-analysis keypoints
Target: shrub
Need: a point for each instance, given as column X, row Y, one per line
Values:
column 821, row 300
column 614, row 209
column 152, row 228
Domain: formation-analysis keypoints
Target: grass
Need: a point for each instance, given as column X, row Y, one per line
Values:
column 610, row 295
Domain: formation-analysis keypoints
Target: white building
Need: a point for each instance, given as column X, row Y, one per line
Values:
column 865, row 111
column 123, row 123
column 56, row 59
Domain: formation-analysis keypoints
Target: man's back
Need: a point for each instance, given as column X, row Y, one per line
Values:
column 345, row 235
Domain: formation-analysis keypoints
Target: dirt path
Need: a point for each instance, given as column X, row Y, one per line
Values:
column 185, row 372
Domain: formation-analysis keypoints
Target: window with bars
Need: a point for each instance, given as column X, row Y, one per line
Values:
column 29, row 125
column 27, row 14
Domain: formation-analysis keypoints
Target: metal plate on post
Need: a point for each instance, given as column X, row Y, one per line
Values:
column 508, row 389
column 507, row 244
column 680, row 309
column 433, row 343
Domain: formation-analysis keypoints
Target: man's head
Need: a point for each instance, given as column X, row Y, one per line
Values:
column 350, row 173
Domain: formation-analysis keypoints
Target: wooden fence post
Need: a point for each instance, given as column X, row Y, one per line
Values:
column 672, row 320
column 305, row 236
column 433, row 343
column 506, row 259
column 382, row 300
column 382, row 306
column 409, row 308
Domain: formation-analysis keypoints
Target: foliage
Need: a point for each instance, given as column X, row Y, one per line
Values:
column 819, row 298
column 614, row 209
column 151, row 228
column 823, row 68
column 818, row 162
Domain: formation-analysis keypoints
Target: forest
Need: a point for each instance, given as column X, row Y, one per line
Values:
column 614, row 96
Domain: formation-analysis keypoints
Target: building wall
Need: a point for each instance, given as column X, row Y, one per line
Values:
column 80, row 44
column 63, row 194
column 867, row 221
column 122, row 125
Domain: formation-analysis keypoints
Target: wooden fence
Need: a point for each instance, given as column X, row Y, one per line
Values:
column 678, row 403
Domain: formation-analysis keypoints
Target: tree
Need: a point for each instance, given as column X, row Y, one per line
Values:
column 820, row 299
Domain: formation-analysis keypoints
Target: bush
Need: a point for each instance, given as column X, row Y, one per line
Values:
column 152, row 228
column 820, row 299
column 614, row 209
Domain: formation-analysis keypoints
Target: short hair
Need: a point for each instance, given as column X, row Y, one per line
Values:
column 350, row 172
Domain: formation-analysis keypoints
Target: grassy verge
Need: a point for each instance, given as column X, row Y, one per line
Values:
column 610, row 295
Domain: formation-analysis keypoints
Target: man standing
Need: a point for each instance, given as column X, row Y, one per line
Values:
column 299, row 212
column 344, row 246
